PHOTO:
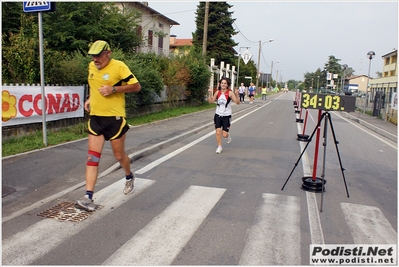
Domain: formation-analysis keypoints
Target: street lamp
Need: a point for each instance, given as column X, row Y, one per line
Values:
column 271, row 72
column 318, row 80
column 277, row 79
column 312, row 85
column 370, row 55
column 260, row 49
column 343, row 77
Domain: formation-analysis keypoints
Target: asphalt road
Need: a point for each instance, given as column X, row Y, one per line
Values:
column 192, row 206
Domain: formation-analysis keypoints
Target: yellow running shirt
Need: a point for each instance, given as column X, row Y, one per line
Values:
column 116, row 73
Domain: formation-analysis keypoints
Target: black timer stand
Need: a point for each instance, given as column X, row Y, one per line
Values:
column 317, row 185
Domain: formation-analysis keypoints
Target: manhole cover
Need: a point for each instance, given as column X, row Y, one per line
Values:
column 66, row 211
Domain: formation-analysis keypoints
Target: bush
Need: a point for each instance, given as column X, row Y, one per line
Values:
column 71, row 69
column 200, row 74
column 145, row 68
column 187, row 75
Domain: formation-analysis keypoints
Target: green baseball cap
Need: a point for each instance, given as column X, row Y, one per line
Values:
column 98, row 46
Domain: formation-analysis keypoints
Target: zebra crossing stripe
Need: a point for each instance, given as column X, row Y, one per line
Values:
column 316, row 231
column 368, row 225
column 275, row 237
column 164, row 237
column 22, row 248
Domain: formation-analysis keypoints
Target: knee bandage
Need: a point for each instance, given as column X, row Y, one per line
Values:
column 93, row 158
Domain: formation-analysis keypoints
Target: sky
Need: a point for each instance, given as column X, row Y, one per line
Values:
column 304, row 34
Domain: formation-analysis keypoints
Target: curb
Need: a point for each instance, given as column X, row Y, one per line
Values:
column 374, row 128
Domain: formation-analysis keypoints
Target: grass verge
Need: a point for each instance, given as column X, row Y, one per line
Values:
column 75, row 132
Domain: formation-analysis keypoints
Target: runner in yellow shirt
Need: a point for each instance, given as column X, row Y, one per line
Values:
column 264, row 90
column 109, row 80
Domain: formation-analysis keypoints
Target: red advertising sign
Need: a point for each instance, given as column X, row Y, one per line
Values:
column 23, row 104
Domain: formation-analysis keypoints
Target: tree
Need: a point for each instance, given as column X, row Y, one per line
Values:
column 349, row 72
column 247, row 70
column 11, row 19
column 292, row 84
column 20, row 53
column 70, row 29
column 333, row 67
column 74, row 25
column 316, row 80
column 220, row 44
column 320, row 76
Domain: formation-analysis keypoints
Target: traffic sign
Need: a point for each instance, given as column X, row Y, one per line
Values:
column 38, row 6
column 246, row 56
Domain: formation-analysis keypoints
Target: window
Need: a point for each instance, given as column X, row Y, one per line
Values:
column 150, row 37
column 160, row 41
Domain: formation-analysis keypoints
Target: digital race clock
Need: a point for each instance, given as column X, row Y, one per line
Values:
column 328, row 102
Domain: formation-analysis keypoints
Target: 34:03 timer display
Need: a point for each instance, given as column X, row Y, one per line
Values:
column 328, row 102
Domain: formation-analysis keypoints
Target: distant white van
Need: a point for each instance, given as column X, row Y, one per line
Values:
column 351, row 89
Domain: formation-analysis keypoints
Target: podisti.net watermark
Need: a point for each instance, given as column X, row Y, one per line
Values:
column 344, row 254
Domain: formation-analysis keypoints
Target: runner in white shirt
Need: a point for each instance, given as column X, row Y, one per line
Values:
column 223, row 113
column 241, row 92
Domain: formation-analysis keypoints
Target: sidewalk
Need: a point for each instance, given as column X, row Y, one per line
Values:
column 383, row 128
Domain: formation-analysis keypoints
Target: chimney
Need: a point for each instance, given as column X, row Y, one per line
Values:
column 172, row 40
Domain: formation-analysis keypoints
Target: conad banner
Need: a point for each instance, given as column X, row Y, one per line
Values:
column 23, row 104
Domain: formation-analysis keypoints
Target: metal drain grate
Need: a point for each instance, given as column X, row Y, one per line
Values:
column 67, row 212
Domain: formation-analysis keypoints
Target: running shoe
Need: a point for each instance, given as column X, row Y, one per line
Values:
column 86, row 203
column 219, row 150
column 129, row 186
column 228, row 139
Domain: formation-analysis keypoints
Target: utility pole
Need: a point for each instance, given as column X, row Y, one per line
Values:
column 271, row 75
column 204, row 41
column 257, row 71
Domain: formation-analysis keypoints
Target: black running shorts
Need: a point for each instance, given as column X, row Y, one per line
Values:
column 110, row 127
column 222, row 122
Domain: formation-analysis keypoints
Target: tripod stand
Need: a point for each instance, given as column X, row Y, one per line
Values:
column 316, row 184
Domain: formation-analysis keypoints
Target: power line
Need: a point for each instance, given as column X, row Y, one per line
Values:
column 239, row 31
column 264, row 60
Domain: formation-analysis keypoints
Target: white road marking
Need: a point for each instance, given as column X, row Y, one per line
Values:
column 275, row 231
column 368, row 225
column 316, row 230
column 165, row 236
column 40, row 238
